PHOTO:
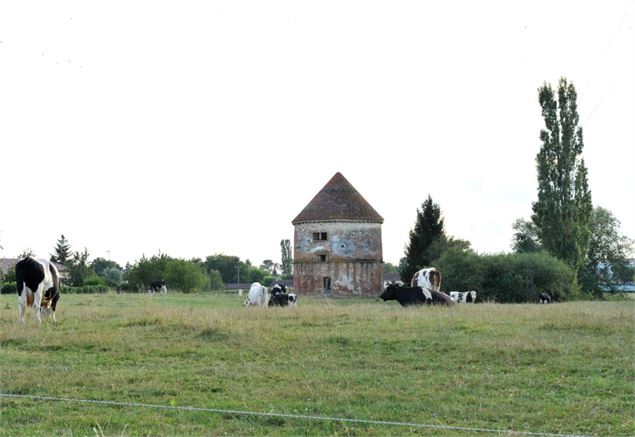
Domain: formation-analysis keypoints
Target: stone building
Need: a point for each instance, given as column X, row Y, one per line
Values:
column 337, row 245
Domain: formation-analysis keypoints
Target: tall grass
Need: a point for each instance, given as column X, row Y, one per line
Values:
column 560, row 368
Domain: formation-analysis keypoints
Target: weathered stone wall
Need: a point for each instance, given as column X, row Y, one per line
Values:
column 351, row 257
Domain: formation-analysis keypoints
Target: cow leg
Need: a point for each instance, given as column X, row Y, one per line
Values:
column 22, row 304
column 37, row 302
column 54, row 304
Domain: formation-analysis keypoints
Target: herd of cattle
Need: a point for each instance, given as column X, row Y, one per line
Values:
column 38, row 285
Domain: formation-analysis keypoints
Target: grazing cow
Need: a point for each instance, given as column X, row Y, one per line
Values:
column 463, row 296
column 283, row 299
column 38, row 285
column 157, row 286
column 258, row 295
column 429, row 279
column 544, row 298
column 278, row 288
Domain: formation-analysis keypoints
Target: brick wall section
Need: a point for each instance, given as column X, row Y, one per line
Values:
column 351, row 257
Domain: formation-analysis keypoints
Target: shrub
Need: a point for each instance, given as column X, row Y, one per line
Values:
column 8, row 288
column 85, row 289
column 519, row 277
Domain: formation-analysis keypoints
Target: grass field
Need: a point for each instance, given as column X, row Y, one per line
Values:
column 561, row 368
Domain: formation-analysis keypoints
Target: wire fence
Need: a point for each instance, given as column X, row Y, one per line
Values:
column 287, row 416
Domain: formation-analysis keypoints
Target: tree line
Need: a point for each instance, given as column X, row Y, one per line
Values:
column 187, row 275
column 568, row 247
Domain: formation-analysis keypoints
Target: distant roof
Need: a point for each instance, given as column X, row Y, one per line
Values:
column 7, row 264
column 338, row 200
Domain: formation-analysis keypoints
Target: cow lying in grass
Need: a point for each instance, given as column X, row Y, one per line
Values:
column 463, row 296
column 407, row 296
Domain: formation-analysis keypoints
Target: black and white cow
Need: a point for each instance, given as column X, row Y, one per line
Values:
column 158, row 286
column 407, row 296
column 278, row 288
column 38, row 285
column 544, row 298
column 428, row 279
column 463, row 296
column 283, row 299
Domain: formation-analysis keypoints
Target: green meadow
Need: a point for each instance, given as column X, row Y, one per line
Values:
column 564, row 368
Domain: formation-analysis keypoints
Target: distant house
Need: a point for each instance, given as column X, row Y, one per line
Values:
column 239, row 287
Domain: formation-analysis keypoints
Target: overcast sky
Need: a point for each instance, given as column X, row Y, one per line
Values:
column 202, row 127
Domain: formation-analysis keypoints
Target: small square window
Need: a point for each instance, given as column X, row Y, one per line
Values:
column 320, row 236
column 322, row 258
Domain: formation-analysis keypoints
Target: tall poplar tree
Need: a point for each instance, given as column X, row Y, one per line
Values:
column 428, row 228
column 286, row 257
column 562, row 213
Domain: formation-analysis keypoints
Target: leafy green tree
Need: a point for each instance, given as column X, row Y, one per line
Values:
column 78, row 268
column 287, row 258
column 112, row 275
column 525, row 239
column 179, row 274
column 444, row 243
column 270, row 267
column 63, row 253
column 215, row 280
column 428, row 228
column 228, row 266
column 609, row 251
column 186, row 276
column 390, row 268
column 562, row 213
column 99, row 265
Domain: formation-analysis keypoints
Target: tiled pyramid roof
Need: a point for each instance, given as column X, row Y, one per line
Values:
column 338, row 201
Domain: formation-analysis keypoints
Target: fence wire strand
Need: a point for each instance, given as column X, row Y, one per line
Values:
column 287, row 416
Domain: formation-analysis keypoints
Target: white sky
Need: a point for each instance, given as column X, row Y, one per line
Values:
column 202, row 127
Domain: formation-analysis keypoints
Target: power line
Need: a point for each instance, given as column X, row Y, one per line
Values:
column 288, row 416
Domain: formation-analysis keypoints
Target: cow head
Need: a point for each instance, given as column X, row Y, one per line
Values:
column 390, row 293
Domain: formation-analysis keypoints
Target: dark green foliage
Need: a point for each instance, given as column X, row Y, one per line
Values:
column 390, row 268
column 78, row 268
column 286, row 258
column 8, row 287
column 233, row 270
column 179, row 274
column 215, row 280
column 461, row 271
column 428, row 228
column 507, row 277
column 226, row 265
column 110, row 271
column 185, row 276
column 270, row 267
column 525, row 239
column 63, row 253
column 562, row 212
column 85, row 289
